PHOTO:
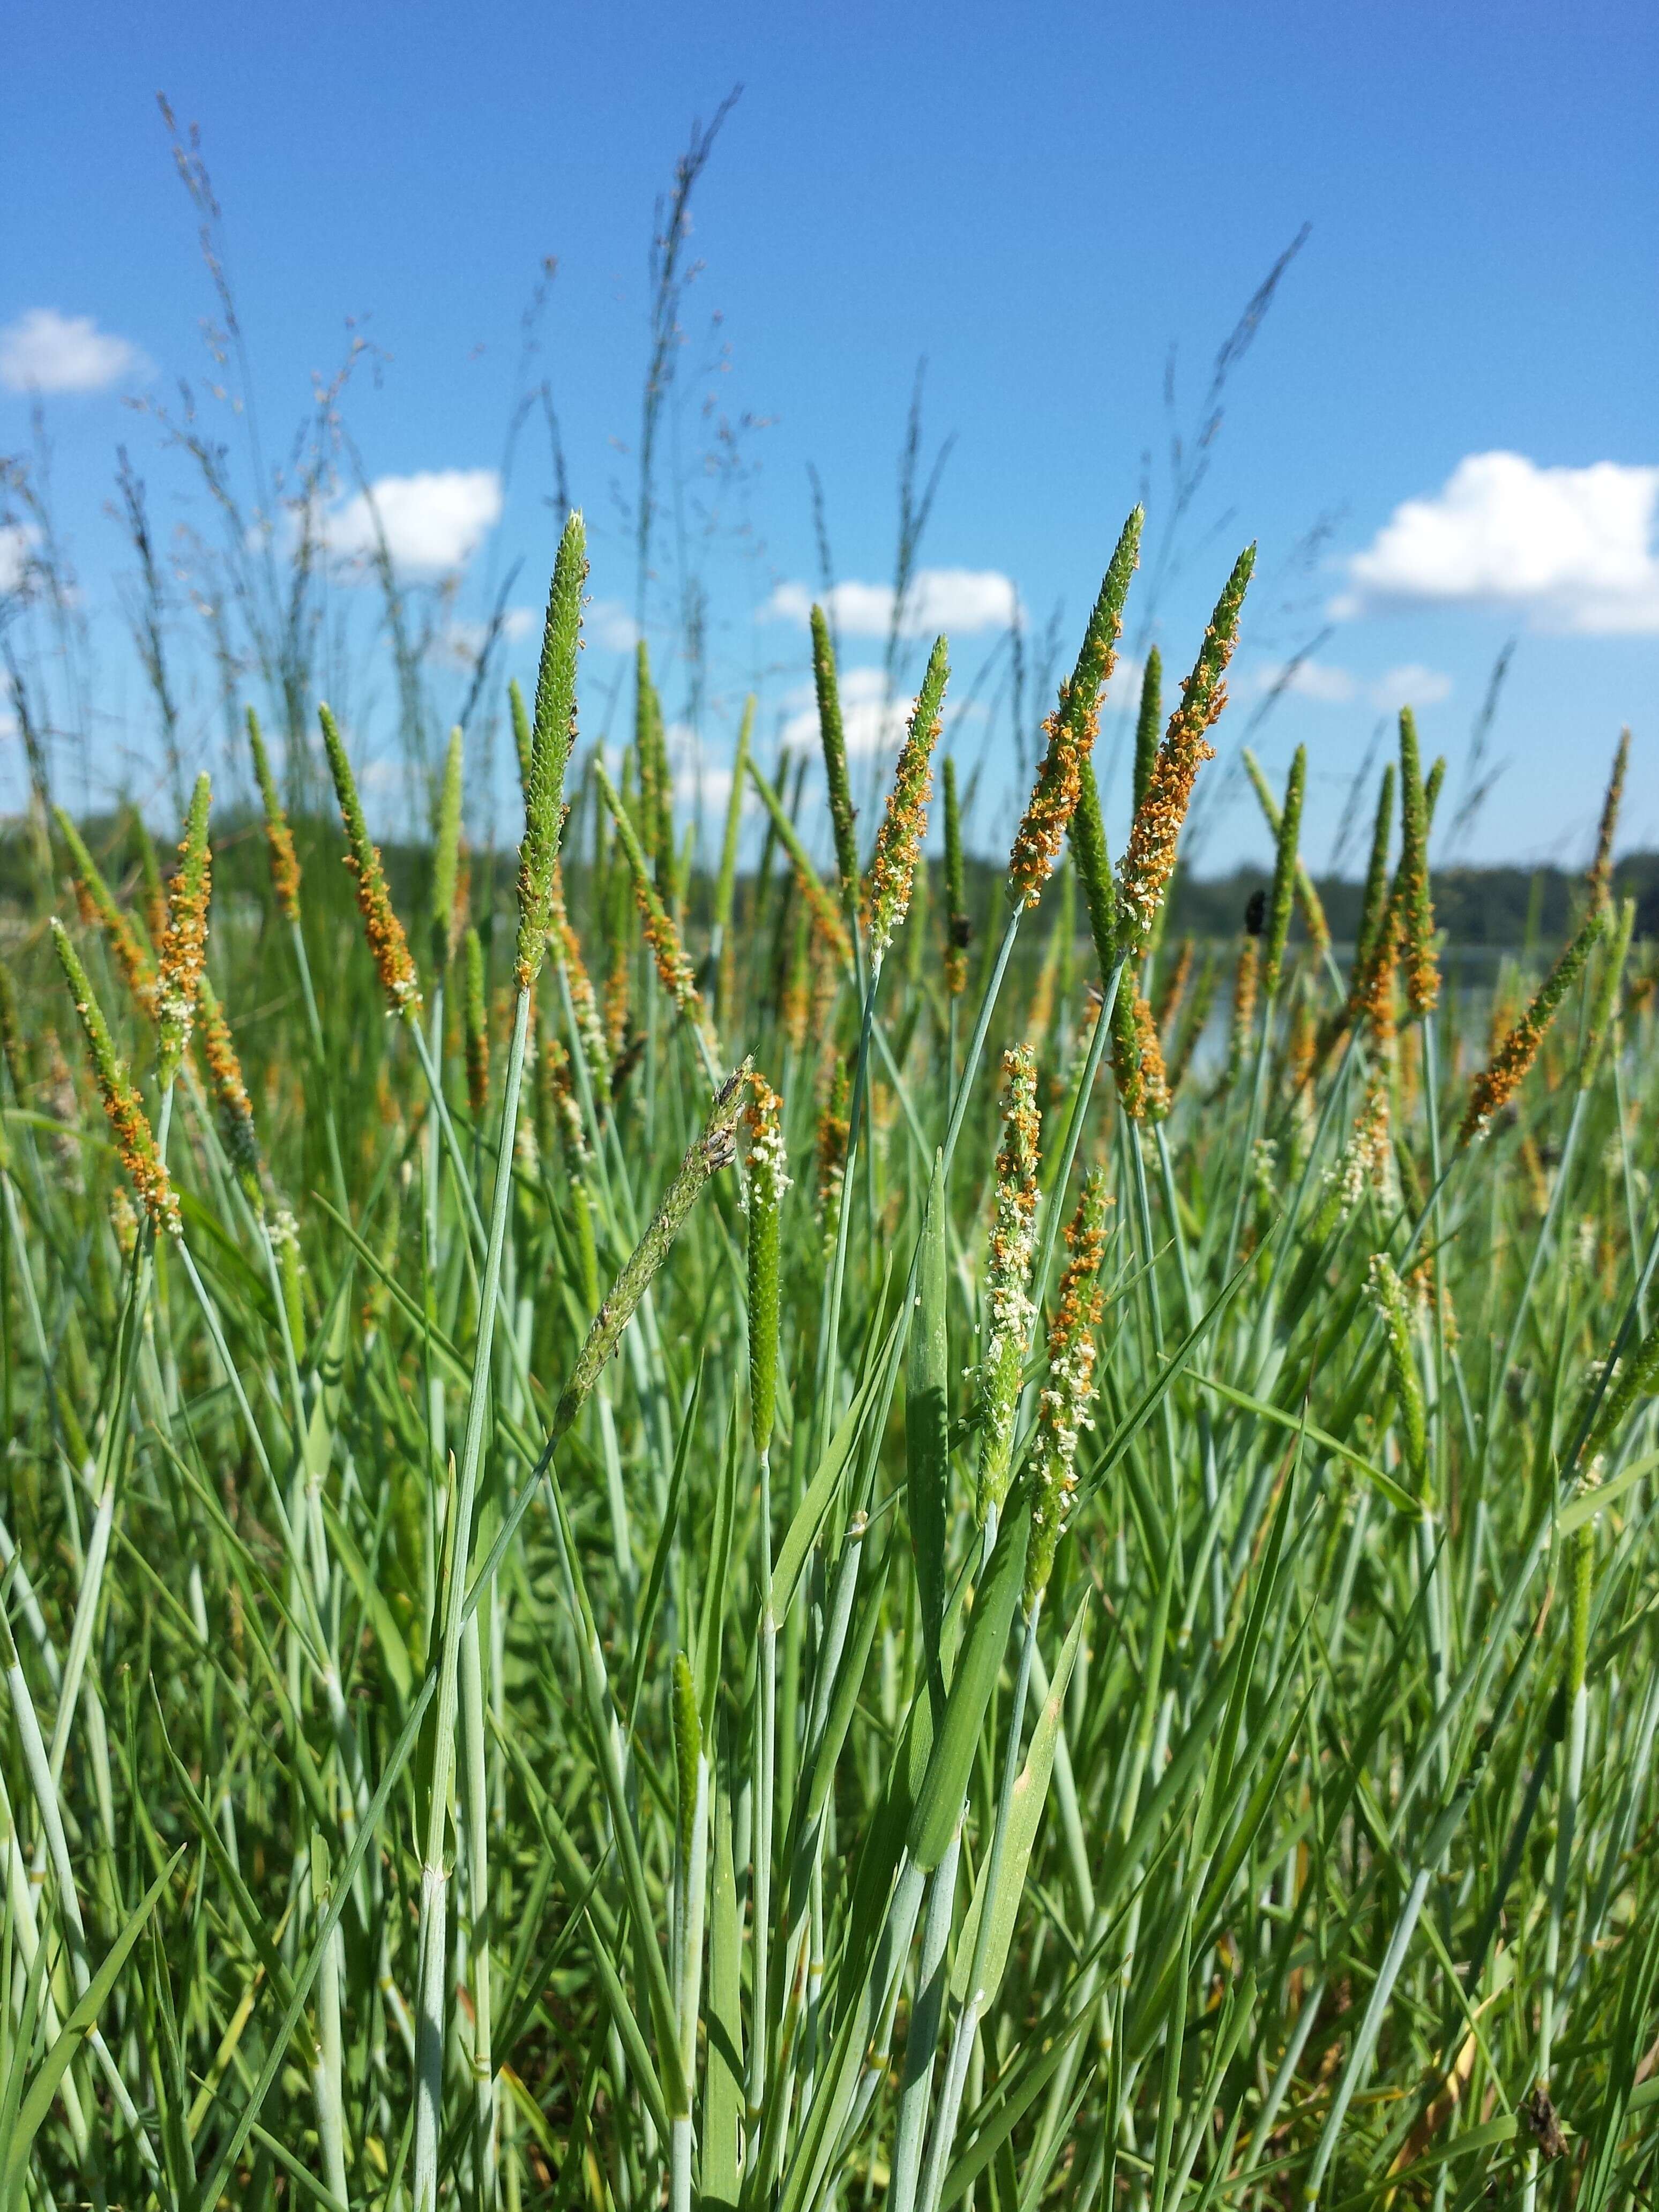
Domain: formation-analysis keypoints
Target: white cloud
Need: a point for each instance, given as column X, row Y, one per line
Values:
column 1328, row 685
column 1409, row 685
column 17, row 544
column 433, row 521
column 45, row 351
column 1573, row 549
column 608, row 623
column 961, row 600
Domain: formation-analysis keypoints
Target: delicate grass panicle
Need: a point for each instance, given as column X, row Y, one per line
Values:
column 1149, row 860
column 1600, row 875
column 904, row 824
column 769, row 1179
column 1009, row 1307
column 135, row 1140
column 99, row 910
column 388, row 944
column 832, row 737
column 1063, row 1409
column 958, row 926
column 1497, row 1082
column 1422, row 970
column 1071, row 729
column 184, row 945
column 551, row 736
column 279, row 838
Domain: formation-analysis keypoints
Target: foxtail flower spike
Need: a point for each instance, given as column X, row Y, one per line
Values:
column 1286, row 860
column 1599, row 877
column 904, row 826
column 98, row 911
column 1138, row 1068
column 833, row 737
column 1416, row 907
column 769, row 1179
column 958, row 929
column 388, row 944
column 1148, row 718
column 1497, row 1083
column 1009, row 1309
column 184, row 945
column 1071, row 729
column 1313, row 907
column 135, row 1141
column 674, row 966
column 1149, row 860
column 447, row 919
column 1063, row 1409
column 236, row 1128
column 279, row 838
column 551, row 738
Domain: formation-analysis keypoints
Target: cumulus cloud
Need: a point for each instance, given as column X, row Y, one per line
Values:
column 1327, row 686
column 433, row 521
column 1571, row 549
column 955, row 600
column 607, row 623
column 45, row 351
column 463, row 639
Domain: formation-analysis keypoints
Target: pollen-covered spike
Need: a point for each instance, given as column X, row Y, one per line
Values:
column 388, row 944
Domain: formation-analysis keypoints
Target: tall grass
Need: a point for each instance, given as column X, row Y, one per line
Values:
column 679, row 1555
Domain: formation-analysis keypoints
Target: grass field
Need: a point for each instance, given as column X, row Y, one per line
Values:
column 757, row 1540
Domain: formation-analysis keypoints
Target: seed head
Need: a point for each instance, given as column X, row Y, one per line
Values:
column 1599, row 877
column 477, row 1028
column 674, row 966
column 135, row 1141
column 833, row 737
column 279, row 838
column 1374, row 903
column 958, row 929
column 1285, row 862
column 551, row 738
column 1147, row 719
column 1009, row 1309
column 1387, row 1295
column 831, row 1149
column 1416, row 908
column 1149, row 861
column 905, row 822
column 448, row 907
column 98, row 911
column 1138, row 1058
column 1498, row 1081
column 184, row 945
column 567, row 949
column 769, row 1179
column 236, row 1127
column 388, row 944
column 1063, row 1408
column 1246, row 982
column 1071, row 729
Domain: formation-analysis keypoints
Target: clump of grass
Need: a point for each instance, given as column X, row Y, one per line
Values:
column 951, row 1630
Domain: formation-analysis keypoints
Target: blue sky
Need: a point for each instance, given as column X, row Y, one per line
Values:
column 1043, row 203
